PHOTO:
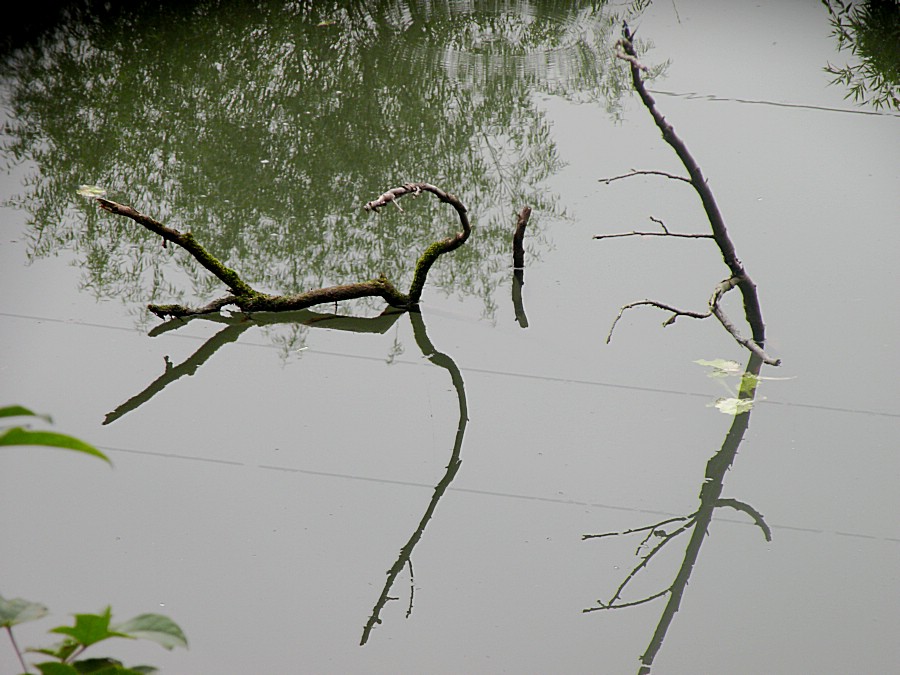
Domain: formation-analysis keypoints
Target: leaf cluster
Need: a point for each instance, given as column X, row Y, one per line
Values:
column 870, row 31
column 88, row 630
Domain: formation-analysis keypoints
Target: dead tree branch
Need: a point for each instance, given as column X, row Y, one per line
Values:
column 519, row 265
column 519, row 238
column 665, row 233
column 634, row 172
column 653, row 303
column 751, row 345
column 739, row 277
column 249, row 300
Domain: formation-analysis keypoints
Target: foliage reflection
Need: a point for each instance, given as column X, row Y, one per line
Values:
column 264, row 131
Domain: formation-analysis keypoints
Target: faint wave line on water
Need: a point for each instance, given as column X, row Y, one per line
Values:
column 691, row 95
column 484, row 371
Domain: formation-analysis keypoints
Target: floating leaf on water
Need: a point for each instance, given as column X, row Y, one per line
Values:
column 91, row 191
column 721, row 367
column 733, row 406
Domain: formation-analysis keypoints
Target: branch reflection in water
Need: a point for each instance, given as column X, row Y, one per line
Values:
column 235, row 327
column 405, row 558
column 698, row 521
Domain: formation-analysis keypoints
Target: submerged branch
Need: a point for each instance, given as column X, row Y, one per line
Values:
column 519, row 265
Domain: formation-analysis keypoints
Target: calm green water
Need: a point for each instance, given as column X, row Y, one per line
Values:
column 380, row 492
column 264, row 129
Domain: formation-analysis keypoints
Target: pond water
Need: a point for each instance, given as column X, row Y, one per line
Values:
column 289, row 487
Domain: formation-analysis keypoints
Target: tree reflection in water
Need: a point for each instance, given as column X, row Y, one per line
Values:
column 256, row 130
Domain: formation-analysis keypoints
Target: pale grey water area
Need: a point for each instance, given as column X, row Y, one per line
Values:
column 259, row 497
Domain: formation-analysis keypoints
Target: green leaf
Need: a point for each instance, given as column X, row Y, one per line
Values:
column 22, row 436
column 90, row 629
column 721, row 367
column 61, row 651
column 733, row 406
column 54, row 668
column 19, row 411
column 157, row 628
column 106, row 666
column 17, row 611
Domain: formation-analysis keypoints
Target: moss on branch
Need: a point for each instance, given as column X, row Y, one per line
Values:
column 248, row 299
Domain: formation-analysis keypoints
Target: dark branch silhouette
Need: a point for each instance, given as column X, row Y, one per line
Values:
column 405, row 557
column 234, row 327
column 698, row 523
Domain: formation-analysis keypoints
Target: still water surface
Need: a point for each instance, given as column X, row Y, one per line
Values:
column 269, row 473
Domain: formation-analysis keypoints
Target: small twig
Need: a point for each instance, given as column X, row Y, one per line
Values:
column 412, row 587
column 751, row 345
column 660, row 223
column 635, row 530
column 636, row 233
column 645, row 560
column 634, row 172
column 633, row 603
column 688, row 522
column 750, row 511
column 668, row 322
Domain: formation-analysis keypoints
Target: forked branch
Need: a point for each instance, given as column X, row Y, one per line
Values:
column 739, row 277
column 248, row 299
